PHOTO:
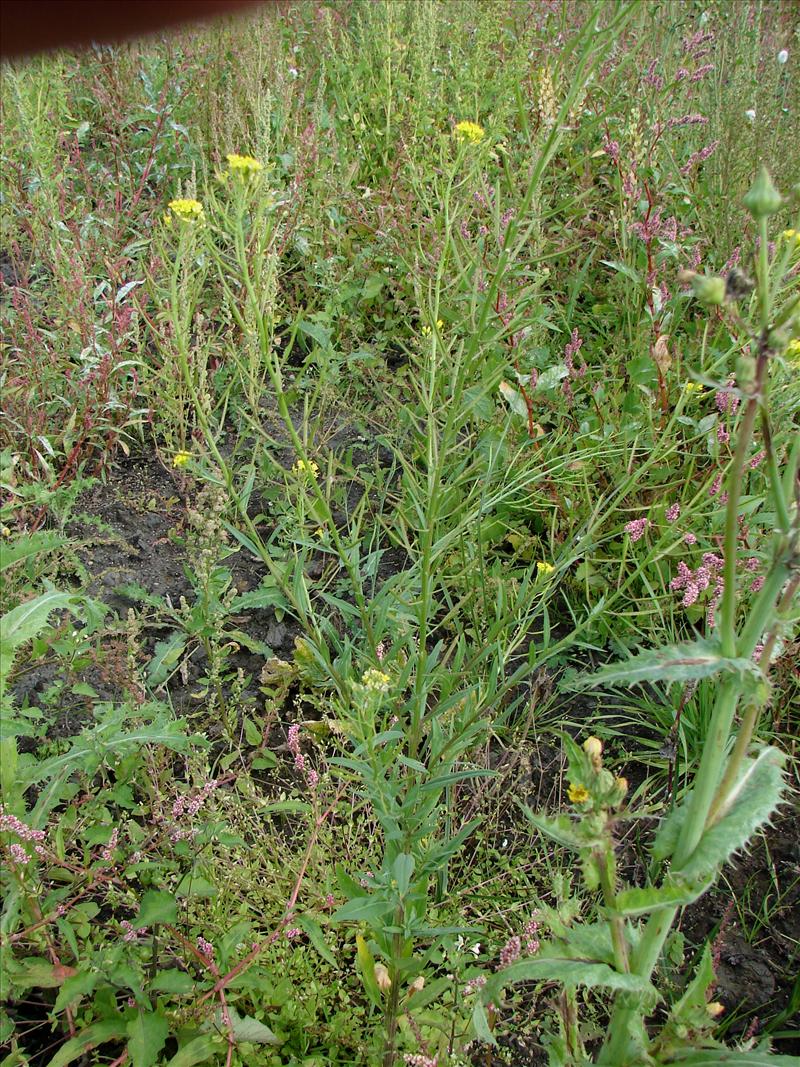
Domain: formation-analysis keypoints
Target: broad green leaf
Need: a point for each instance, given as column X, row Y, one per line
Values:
column 165, row 655
column 674, row 663
column 147, row 1035
column 245, row 1028
column 674, row 893
column 96, row 1034
column 157, row 906
column 480, row 1024
column 362, row 909
column 755, row 796
column 34, row 971
column 198, row 1050
column 76, row 987
column 172, row 981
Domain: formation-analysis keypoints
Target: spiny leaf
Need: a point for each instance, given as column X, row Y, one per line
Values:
column 674, row 893
column 754, row 797
column 674, row 663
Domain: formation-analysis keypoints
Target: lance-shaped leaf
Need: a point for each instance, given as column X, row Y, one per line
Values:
column 755, row 796
column 674, row 663
column 569, row 972
column 674, row 893
column 561, row 828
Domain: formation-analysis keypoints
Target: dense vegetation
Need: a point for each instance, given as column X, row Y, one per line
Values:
column 399, row 501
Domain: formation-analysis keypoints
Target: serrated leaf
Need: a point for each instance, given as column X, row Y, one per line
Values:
column 674, row 893
column 755, row 796
column 157, row 906
column 96, row 1034
column 567, row 971
column 165, row 655
column 147, row 1035
column 27, row 545
column 674, row 663
column 24, row 622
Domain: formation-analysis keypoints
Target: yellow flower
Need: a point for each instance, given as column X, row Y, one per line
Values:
column 243, row 166
column 301, row 467
column 792, row 235
column 180, row 459
column 468, row 131
column 577, row 793
column 543, row 568
column 426, row 330
column 188, row 210
column 376, row 680
column 694, row 387
column 5, row 531
column 793, row 350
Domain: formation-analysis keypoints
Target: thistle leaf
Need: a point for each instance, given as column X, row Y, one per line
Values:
column 674, row 663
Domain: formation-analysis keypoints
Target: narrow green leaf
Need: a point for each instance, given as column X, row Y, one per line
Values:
column 315, row 935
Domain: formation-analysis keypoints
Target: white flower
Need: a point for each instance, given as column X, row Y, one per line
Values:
column 750, row 114
column 783, row 56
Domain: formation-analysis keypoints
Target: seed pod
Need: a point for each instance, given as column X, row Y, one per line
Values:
column 763, row 199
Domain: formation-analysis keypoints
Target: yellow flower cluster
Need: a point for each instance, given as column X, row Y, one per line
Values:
column 180, row 459
column 376, row 680
column 793, row 350
column 243, row 166
column 792, row 236
column 301, row 467
column 426, row 330
column 543, row 568
column 468, row 131
column 693, row 387
column 188, row 210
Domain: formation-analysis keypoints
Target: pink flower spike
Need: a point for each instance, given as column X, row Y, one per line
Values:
column 636, row 528
column 673, row 512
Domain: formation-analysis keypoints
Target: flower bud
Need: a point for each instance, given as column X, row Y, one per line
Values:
column 707, row 289
column 763, row 199
column 715, row 1008
column 382, row 978
column 417, row 985
column 593, row 747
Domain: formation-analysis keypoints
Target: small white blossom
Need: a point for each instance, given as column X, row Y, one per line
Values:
column 783, row 56
column 750, row 114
